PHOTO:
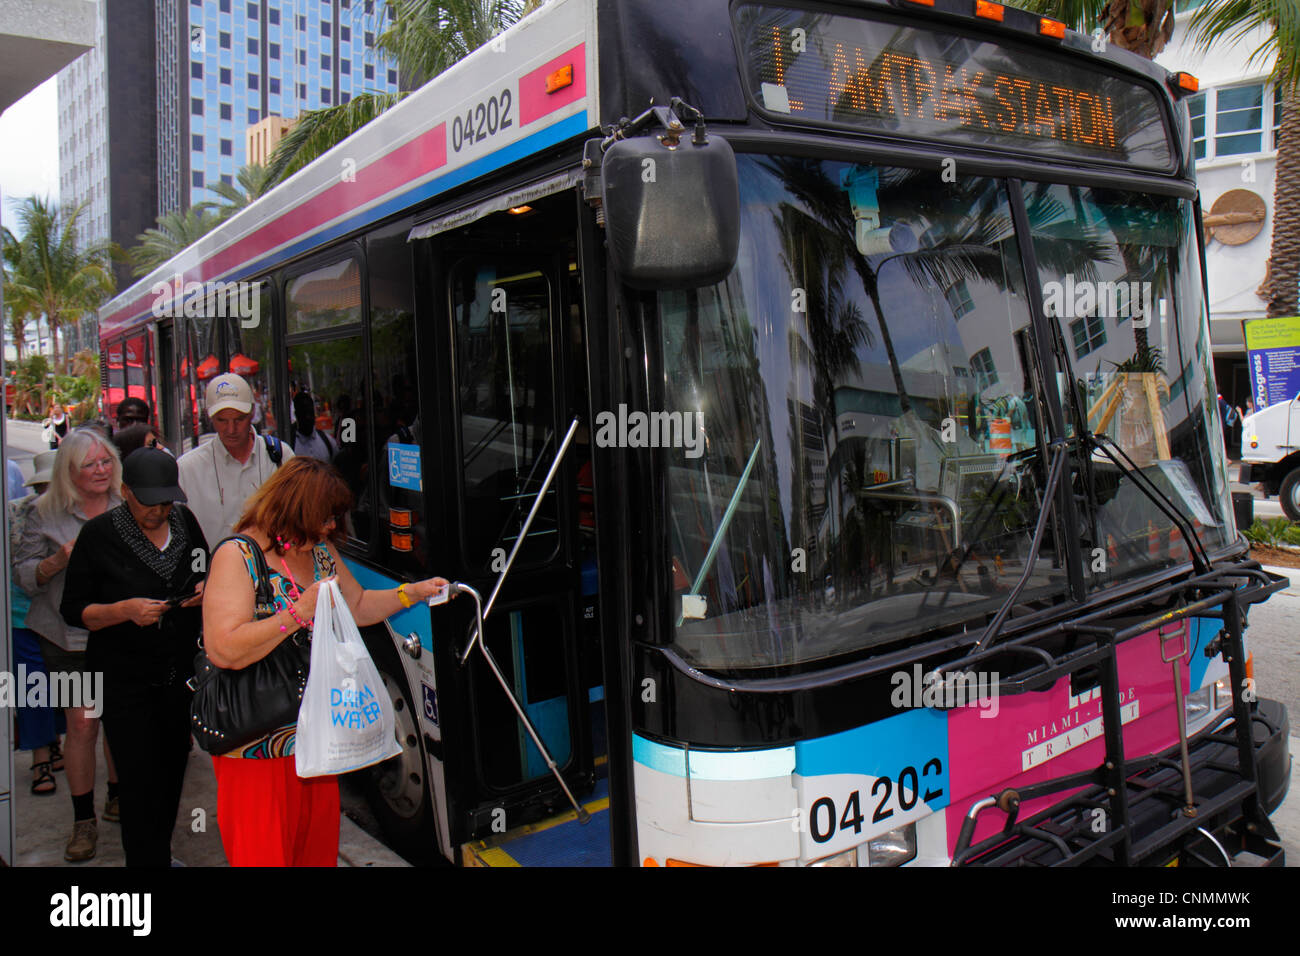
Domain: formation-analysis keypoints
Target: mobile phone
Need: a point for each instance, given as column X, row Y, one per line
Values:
column 176, row 600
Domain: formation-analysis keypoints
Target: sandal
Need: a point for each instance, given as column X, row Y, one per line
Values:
column 56, row 757
column 43, row 780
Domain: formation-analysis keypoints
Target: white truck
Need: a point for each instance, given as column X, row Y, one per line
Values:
column 1270, row 452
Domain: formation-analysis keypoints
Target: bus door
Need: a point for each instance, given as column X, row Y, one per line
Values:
column 511, row 317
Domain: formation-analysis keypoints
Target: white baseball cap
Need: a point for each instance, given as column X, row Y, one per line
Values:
column 229, row 391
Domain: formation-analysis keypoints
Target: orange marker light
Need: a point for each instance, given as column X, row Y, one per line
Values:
column 1187, row 82
column 399, row 517
column 924, row 3
column 1051, row 28
column 400, row 541
column 560, row 79
column 989, row 10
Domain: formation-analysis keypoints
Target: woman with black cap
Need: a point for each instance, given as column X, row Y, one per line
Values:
column 134, row 582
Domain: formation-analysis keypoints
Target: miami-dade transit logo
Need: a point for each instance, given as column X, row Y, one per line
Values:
column 1080, row 724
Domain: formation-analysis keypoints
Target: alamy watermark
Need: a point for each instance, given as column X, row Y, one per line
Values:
column 58, row 689
column 626, row 429
column 915, row 689
column 1082, row 298
column 213, row 300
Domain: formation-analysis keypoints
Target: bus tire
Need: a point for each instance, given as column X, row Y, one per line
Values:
column 398, row 789
column 1288, row 494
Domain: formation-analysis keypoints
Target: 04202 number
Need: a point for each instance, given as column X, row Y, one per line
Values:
column 481, row 121
column 822, row 820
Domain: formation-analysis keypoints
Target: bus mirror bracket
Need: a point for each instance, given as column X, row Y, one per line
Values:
column 669, row 201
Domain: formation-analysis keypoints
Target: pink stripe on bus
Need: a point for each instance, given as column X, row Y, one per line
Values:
column 535, row 102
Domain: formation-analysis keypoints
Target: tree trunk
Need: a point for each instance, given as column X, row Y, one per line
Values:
column 1281, row 287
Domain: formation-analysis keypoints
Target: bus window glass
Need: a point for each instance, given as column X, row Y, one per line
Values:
column 199, row 365
column 502, row 316
column 403, row 538
column 326, row 370
column 135, row 358
column 114, row 376
column 1121, row 277
column 863, row 462
column 324, row 298
column 248, row 347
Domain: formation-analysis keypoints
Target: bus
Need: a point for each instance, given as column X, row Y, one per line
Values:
column 814, row 399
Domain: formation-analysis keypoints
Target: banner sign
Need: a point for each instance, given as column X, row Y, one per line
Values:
column 1273, row 351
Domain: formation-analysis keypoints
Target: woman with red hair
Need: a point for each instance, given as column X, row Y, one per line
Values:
column 269, row 816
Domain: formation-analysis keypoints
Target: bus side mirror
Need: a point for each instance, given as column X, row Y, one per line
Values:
column 672, row 212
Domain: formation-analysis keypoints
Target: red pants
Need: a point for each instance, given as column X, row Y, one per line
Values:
column 269, row 816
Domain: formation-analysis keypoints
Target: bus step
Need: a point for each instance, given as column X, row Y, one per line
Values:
column 558, row 841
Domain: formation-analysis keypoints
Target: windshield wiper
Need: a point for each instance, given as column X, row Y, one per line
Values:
column 1200, row 557
column 1054, row 473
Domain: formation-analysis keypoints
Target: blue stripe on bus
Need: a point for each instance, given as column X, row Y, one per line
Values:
column 879, row 749
column 713, row 765
column 412, row 619
column 532, row 143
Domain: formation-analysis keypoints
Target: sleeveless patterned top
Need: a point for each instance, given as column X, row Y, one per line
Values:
column 279, row 743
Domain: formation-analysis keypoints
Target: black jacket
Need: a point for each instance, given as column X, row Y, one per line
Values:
column 104, row 569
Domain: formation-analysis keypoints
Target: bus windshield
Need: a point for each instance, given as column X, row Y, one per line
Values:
column 874, row 452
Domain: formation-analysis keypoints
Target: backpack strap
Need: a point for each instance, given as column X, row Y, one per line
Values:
column 273, row 449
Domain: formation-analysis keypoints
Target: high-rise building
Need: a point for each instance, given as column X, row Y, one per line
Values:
column 250, row 59
column 159, row 110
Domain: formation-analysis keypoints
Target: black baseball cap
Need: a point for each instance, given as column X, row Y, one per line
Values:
column 152, row 476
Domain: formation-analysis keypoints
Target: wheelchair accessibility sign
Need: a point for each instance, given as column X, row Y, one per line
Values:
column 404, row 466
column 430, row 703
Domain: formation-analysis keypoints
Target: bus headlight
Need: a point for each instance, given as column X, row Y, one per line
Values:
column 893, row 848
column 847, row 858
column 1199, row 704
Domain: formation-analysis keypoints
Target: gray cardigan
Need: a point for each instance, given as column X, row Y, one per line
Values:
column 42, row 536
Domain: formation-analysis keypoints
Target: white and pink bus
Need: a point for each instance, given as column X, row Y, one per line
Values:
column 819, row 394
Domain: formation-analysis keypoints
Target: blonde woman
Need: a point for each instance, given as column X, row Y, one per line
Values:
column 85, row 483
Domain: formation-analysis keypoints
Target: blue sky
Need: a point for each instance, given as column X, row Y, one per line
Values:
column 29, row 161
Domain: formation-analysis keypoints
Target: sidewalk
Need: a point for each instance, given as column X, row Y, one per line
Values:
column 45, row 823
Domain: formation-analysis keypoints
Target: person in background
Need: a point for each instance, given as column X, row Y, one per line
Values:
column 38, row 727
column 269, row 816
column 85, row 483
column 137, row 436
column 131, row 584
column 56, row 424
column 220, row 475
column 14, row 480
column 132, row 411
column 307, row 438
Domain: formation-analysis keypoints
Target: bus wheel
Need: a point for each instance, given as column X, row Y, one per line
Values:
column 1289, row 494
column 398, row 789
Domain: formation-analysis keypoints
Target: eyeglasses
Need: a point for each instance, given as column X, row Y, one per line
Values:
column 100, row 463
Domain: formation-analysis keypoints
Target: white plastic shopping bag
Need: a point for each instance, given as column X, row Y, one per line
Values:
column 346, row 720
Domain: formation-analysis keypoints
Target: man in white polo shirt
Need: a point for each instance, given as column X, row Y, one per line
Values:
column 221, row 475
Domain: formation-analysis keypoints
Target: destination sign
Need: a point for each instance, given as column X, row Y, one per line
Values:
column 904, row 81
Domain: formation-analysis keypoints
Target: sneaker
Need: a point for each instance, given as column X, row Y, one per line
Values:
column 112, row 810
column 85, row 835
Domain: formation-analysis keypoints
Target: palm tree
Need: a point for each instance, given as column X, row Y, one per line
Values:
column 47, row 272
column 424, row 38
column 1143, row 26
column 252, row 181
column 174, row 232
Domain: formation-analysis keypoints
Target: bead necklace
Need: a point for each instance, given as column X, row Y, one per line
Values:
column 294, row 590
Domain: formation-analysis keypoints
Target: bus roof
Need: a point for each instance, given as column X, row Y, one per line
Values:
column 485, row 112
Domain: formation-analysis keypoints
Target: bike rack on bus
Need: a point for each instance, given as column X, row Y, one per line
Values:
column 1224, row 593
column 478, row 638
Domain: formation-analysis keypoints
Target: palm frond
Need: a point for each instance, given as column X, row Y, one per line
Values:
column 1230, row 20
column 318, row 131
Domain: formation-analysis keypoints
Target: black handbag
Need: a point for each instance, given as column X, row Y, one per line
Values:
column 232, row 708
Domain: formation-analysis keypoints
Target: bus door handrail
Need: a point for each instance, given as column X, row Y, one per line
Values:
column 482, row 612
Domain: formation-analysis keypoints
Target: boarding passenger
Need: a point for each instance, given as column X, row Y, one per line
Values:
column 132, row 585
column 221, row 475
column 137, row 436
column 307, row 438
column 132, row 411
column 269, row 816
column 85, row 484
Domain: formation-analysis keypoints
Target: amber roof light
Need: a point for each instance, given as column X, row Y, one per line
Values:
column 989, row 10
